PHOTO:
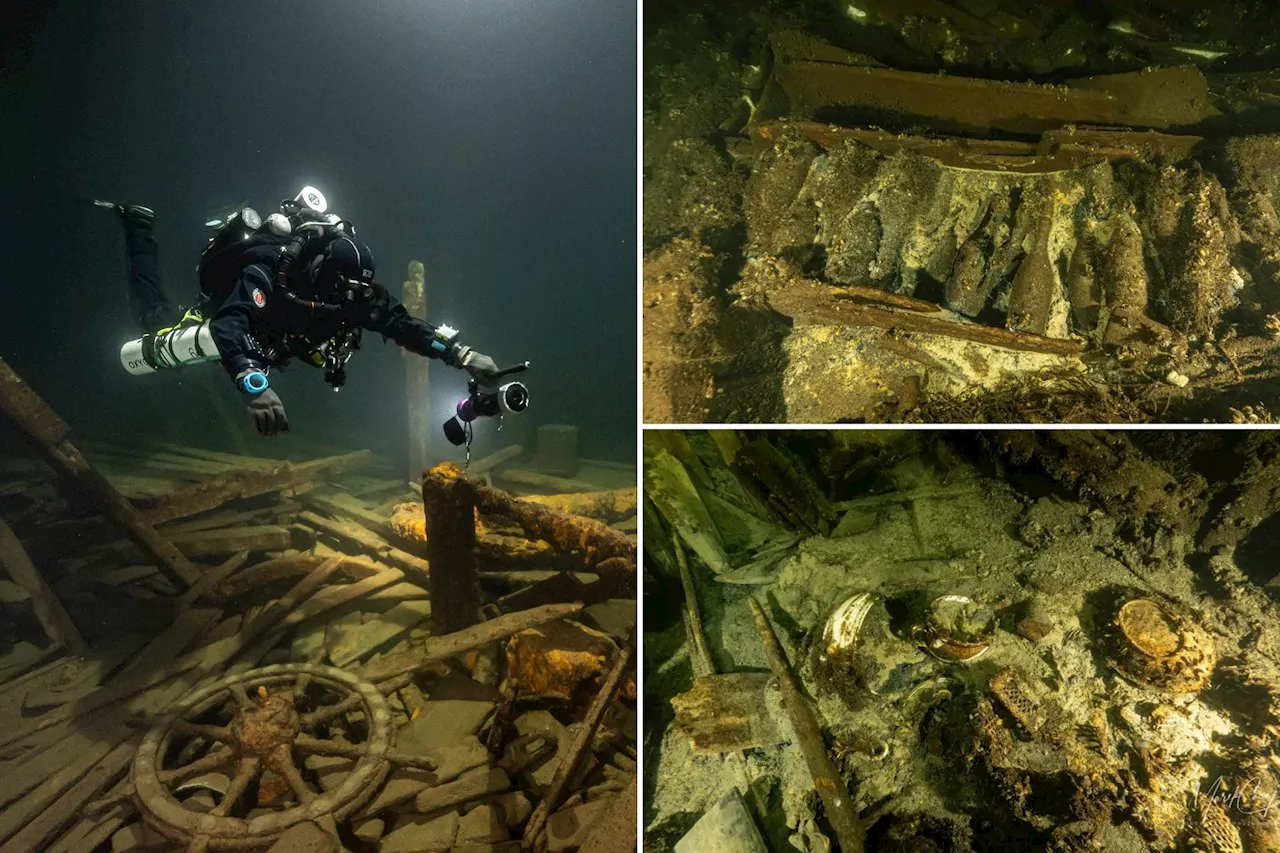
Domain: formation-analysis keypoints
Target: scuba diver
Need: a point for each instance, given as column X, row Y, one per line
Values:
column 295, row 285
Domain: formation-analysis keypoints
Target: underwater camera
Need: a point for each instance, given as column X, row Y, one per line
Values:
column 509, row 399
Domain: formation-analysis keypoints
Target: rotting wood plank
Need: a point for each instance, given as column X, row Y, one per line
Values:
column 36, row 800
column 292, row 565
column 365, row 540
column 90, row 832
column 544, row 482
column 1161, row 98
column 811, row 303
column 495, row 460
column 345, row 507
column 35, row 834
column 52, row 616
column 218, row 490
column 436, row 649
column 38, row 421
column 216, row 543
column 450, row 506
column 212, row 578
column 228, row 518
column 336, row 595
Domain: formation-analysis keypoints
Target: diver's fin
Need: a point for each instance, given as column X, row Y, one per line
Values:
column 97, row 202
column 132, row 214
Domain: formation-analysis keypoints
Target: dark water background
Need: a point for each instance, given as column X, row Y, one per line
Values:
column 495, row 141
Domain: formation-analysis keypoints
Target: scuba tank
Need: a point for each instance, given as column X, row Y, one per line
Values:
column 176, row 347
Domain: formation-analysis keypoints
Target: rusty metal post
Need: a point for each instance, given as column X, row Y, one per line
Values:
column 449, row 503
column 417, row 397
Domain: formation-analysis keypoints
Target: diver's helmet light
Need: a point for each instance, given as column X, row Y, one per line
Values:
column 313, row 198
column 213, row 223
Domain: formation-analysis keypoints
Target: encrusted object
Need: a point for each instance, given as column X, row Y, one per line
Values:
column 957, row 629
column 844, row 659
column 992, row 741
column 1015, row 696
column 843, row 628
column 1152, row 646
column 1255, row 814
column 556, row 660
column 1213, row 831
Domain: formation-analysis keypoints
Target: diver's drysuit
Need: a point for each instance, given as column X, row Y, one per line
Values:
column 293, row 287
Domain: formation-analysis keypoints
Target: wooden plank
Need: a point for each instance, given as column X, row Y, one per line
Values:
column 214, row 543
column 216, row 491
column 397, row 621
column 49, row 611
column 22, row 813
column 421, row 425
column 228, row 518
column 53, row 820
column 365, row 540
column 212, row 578
column 810, row 303
column 545, row 483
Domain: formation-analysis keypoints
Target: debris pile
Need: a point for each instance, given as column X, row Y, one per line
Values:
column 839, row 236
column 1029, row 640
column 308, row 679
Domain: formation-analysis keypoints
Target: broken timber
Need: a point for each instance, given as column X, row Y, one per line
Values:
column 810, row 303
column 1161, row 98
column 450, row 513
column 595, row 541
column 218, row 490
column 48, row 609
column 433, row 650
column 545, row 482
column 358, row 537
column 607, row 506
column 35, row 418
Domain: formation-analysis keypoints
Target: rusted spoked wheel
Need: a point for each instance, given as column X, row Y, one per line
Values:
column 258, row 721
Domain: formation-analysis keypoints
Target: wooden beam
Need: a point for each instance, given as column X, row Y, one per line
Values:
column 49, row 610
column 450, row 504
column 49, row 432
column 218, row 490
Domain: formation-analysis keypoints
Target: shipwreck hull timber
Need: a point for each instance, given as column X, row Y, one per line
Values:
column 50, row 434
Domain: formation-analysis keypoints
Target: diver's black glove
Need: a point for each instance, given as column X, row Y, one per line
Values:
column 481, row 367
column 264, row 404
column 268, row 413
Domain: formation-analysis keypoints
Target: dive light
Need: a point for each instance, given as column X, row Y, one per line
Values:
column 510, row 399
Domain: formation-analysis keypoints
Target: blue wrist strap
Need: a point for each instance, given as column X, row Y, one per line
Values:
column 254, row 383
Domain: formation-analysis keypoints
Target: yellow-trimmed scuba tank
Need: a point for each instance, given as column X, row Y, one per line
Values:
column 189, row 342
